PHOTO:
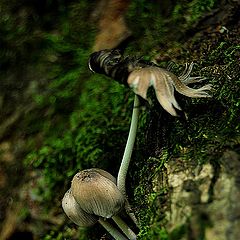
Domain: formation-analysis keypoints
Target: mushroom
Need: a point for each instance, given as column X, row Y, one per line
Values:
column 83, row 219
column 140, row 75
column 165, row 83
column 94, row 191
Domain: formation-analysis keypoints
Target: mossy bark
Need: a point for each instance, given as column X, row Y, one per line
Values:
column 186, row 189
column 183, row 181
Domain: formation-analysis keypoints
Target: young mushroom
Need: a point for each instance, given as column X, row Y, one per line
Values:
column 95, row 194
column 83, row 219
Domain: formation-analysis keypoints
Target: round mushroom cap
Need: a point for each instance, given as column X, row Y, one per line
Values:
column 75, row 212
column 96, row 193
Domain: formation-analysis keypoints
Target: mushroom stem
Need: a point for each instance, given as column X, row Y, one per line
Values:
column 113, row 231
column 122, row 173
column 124, row 227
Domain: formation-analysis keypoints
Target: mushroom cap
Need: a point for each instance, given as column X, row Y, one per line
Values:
column 105, row 174
column 75, row 212
column 96, row 193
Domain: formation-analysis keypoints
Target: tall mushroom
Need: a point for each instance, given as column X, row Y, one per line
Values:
column 140, row 75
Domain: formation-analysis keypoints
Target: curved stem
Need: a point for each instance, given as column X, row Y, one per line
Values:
column 121, row 179
column 112, row 230
column 122, row 173
column 125, row 228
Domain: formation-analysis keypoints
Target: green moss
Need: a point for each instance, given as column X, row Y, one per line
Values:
column 212, row 125
column 149, row 198
column 94, row 132
column 146, row 36
column 189, row 12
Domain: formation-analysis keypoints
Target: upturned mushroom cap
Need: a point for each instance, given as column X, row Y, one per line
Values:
column 75, row 212
column 96, row 193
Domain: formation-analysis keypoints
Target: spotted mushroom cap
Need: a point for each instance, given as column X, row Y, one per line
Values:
column 75, row 212
column 96, row 193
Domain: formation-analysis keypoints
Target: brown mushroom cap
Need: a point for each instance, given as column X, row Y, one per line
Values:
column 96, row 193
column 75, row 212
